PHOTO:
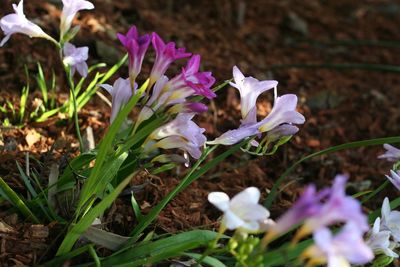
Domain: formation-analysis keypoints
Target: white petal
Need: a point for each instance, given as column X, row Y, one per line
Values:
column 249, row 195
column 220, row 200
column 231, row 221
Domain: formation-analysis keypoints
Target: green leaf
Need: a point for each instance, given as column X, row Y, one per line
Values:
column 86, row 221
column 105, row 148
column 41, row 81
column 207, row 260
column 152, row 252
column 16, row 201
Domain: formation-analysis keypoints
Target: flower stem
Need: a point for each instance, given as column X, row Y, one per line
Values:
column 212, row 246
column 75, row 113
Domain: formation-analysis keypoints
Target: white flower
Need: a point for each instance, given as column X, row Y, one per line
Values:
column 71, row 7
column 250, row 88
column 394, row 178
column 18, row 23
column 76, row 57
column 379, row 241
column 241, row 212
column 390, row 220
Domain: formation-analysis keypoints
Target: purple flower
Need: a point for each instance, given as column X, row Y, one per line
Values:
column 188, row 107
column 392, row 153
column 308, row 205
column 337, row 208
column 394, row 178
column 120, row 92
column 76, row 57
column 250, row 88
column 165, row 55
column 18, row 23
column 345, row 248
column 70, row 8
column 136, row 46
column 318, row 210
column 180, row 133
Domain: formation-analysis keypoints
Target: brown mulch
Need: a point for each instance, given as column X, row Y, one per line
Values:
column 339, row 105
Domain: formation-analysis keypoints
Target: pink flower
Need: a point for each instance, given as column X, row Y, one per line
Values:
column 165, row 55
column 136, row 46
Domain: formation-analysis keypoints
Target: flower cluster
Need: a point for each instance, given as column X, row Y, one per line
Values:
column 318, row 210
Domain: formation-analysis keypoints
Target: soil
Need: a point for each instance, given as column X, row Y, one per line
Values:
column 305, row 45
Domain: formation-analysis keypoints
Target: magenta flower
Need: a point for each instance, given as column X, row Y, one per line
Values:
column 136, row 46
column 345, row 248
column 180, row 133
column 165, row 55
column 70, row 8
column 18, row 23
column 392, row 153
column 249, row 88
column 120, row 92
column 242, row 212
column 394, row 178
column 76, row 57
column 200, row 82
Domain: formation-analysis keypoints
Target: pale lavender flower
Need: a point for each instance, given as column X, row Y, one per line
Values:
column 337, row 208
column 18, row 23
column 136, row 46
column 394, row 178
column 345, row 248
column 390, row 220
column 392, row 153
column 379, row 241
column 76, row 57
column 165, row 55
column 70, row 8
column 181, row 133
column 250, row 88
column 281, row 131
column 242, row 211
column 283, row 113
column 120, row 92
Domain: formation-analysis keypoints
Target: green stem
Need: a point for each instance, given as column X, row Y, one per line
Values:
column 212, row 246
column 75, row 113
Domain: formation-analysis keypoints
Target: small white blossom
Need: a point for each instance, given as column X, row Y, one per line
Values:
column 242, row 211
column 379, row 241
column 390, row 220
